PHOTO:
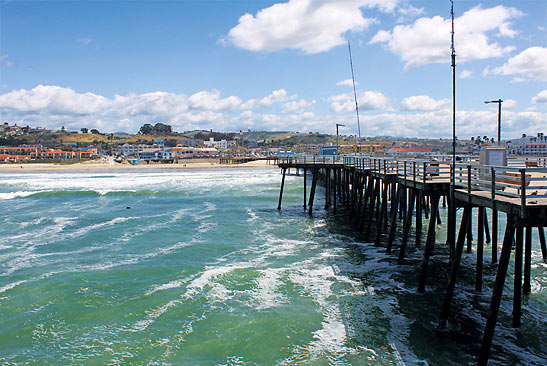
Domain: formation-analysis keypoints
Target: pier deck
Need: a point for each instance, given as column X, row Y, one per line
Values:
column 370, row 187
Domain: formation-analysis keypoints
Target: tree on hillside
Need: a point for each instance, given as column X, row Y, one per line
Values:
column 84, row 130
column 146, row 129
column 95, row 131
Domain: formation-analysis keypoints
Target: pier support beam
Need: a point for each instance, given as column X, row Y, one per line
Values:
column 517, row 284
column 496, row 295
column 371, row 208
column 406, row 228
column 455, row 266
column 542, row 243
column 312, row 191
column 494, row 236
column 429, row 242
column 420, row 203
column 526, row 286
column 383, row 212
column 394, row 211
column 281, row 190
column 305, row 188
column 480, row 249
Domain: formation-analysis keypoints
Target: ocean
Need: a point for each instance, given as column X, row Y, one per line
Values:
column 197, row 267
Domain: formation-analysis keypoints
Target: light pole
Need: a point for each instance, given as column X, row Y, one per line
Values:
column 337, row 145
column 499, row 101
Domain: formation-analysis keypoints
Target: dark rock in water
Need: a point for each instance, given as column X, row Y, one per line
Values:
column 128, row 207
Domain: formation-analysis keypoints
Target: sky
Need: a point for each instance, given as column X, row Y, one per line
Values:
column 275, row 65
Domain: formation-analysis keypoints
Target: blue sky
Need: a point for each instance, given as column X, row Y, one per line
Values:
column 274, row 65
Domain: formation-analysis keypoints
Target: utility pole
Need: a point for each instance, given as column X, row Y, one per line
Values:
column 337, row 145
column 499, row 101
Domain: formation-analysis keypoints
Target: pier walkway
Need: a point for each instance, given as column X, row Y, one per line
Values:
column 379, row 192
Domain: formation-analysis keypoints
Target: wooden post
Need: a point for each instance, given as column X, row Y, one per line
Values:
column 541, row 234
column 486, row 228
column 470, row 233
column 327, row 188
column 334, row 186
column 526, row 286
column 419, row 204
column 305, row 188
column 383, row 211
column 517, row 284
column 429, row 242
column 394, row 220
column 371, row 208
column 480, row 248
column 360, row 184
column 496, row 294
column 455, row 266
column 406, row 228
column 366, row 198
column 281, row 190
column 494, row 236
column 312, row 191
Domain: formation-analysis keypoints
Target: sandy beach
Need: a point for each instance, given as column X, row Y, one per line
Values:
column 110, row 164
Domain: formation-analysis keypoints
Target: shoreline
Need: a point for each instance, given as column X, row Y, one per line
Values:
column 111, row 165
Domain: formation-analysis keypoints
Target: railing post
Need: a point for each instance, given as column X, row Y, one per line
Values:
column 469, row 183
column 493, row 185
column 424, row 173
column 522, row 192
column 414, row 174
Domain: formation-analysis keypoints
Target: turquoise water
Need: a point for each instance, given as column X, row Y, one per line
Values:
column 203, row 270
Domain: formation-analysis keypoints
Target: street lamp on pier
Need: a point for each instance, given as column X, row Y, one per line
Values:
column 499, row 101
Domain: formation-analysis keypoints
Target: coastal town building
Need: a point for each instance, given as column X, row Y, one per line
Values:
column 222, row 144
column 528, row 145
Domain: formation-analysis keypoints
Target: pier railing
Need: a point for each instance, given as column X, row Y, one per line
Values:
column 310, row 159
column 522, row 186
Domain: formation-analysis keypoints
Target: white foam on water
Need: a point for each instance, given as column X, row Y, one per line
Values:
column 167, row 286
column 152, row 315
column 253, row 217
column 9, row 286
column 84, row 230
column 18, row 194
column 267, row 294
column 217, row 291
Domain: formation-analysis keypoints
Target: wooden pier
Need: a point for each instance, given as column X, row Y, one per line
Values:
column 380, row 192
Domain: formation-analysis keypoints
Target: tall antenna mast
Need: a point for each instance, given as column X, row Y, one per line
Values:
column 453, row 55
column 452, row 207
column 355, row 97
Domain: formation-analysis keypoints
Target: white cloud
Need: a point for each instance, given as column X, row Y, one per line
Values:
column 54, row 106
column 532, row 62
column 427, row 40
column 212, row 101
column 509, row 103
column 540, row 98
column 249, row 104
column 9, row 64
column 465, row 74
column 297, row 106
column 422, row 103
column 54, row 99
column 310, row 25
column 409, row 12
column 347, row 82
column 368, row 100
column 276, row 96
